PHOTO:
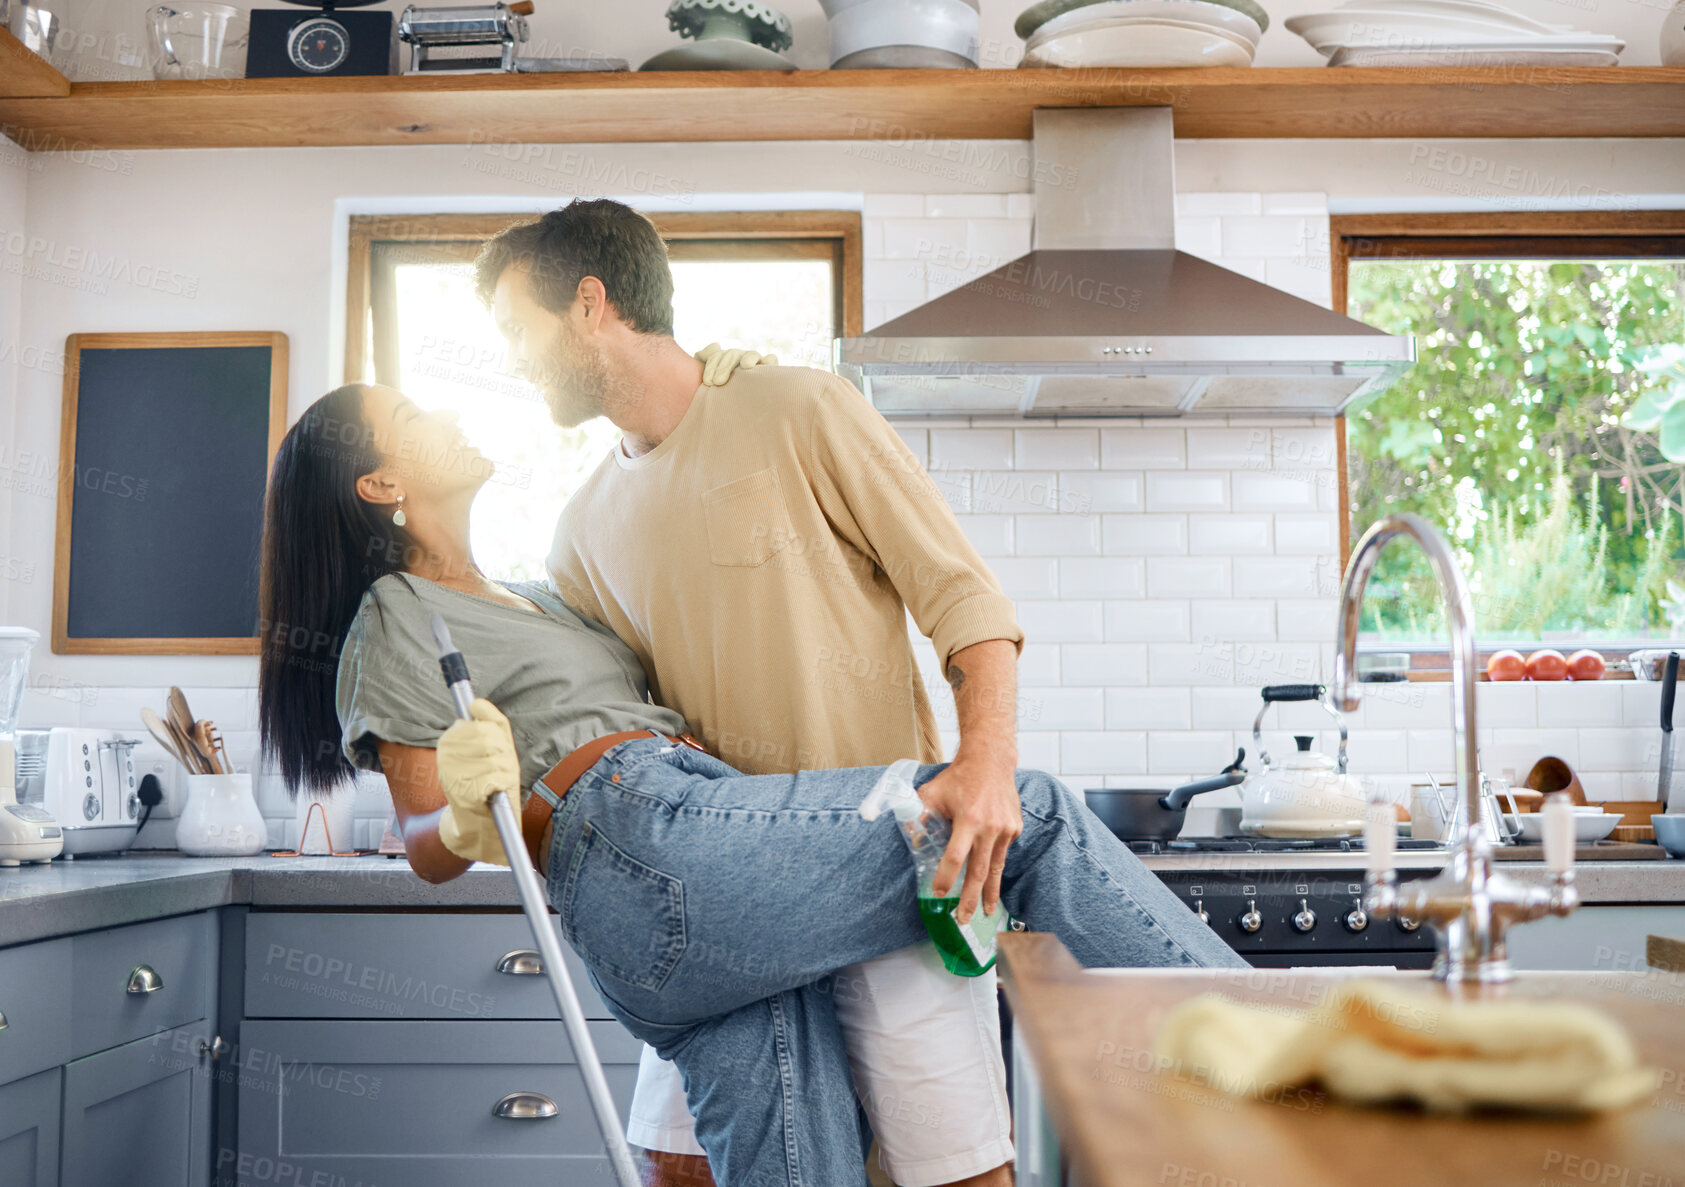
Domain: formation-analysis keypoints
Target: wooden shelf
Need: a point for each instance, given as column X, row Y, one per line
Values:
column 892, row 105
column 25, row 72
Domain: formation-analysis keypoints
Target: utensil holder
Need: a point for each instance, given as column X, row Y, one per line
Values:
column 221, row 818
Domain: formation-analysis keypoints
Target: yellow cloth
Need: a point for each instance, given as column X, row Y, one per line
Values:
column 1372, row 1042
column 477, row 758
column 761, row 562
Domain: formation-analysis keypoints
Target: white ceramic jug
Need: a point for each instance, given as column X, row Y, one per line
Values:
column 221, row 818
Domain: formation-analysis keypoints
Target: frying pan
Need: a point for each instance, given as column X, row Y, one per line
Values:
column 1153, row 814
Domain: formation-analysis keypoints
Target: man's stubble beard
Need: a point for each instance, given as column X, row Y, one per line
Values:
column 575, row 382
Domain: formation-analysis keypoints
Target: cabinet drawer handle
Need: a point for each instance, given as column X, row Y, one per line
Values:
column 522, row 962
column 216, row 1048
column 143, row 978
column 3, row 1023
column 525, row 1106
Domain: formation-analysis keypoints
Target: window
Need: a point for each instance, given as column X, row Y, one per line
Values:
column 788, row 282
column 1513, row 432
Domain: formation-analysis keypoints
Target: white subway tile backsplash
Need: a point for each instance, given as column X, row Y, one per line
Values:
column 1168, row 491
column 1289, row 577
column 1306, row 277
column 924, row 238
column 1303, row 619
column 1317, row 535
column 1641, row 703
column 1192, row 665
column 1038, row 665
column 1506, row 704
column 1229, row 449
column 1058, row 449
column 1305, row 449
column 1103, row 664
column 955, row 487
column 882, row 206
column 1097, row 493
column 1571, row 704
column 1059, row 535
column 970, row 449
column 1143, row 449
column 895, row 283
column 916, row 440
column 1307, row 203
column 1414, row 704
column 1274, row 236
column 1148, row 709
column 1620, row 750
column 1180, row 753
column 1187, row 577
column 1275, row 492
column 1101, row 577
column 1218, row 203
column 1229, row 535
column 1158, row 621
column 1109, row 752
column 1063, row 708
column 1020, row 492
column 1061, row 622
column 1146, row 535
column 1200, row 235
column 1021, row 206
column 1430, row 750
column 997, row 241
column 990, row 535
column 1233, row 620
column 967, row 206
column 1378, row 752
column 1518, row 750
column 1027, row 577
column 1225, row 708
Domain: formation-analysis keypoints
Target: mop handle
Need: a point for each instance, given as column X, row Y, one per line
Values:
column 537, row 912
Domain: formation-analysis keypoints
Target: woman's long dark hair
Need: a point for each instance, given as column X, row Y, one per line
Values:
column 323, row 546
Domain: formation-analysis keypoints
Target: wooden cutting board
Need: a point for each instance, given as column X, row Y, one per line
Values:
column 1597, row 851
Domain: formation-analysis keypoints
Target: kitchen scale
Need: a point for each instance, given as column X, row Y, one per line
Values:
column 28, row 832
column 322, row 39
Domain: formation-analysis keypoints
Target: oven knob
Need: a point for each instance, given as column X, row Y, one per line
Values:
column 1199, row 909
column 1250, row 921
column 1305, row 919
column 1405, row 923
column 1357, row 918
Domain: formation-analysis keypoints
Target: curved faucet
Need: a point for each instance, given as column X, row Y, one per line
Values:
column 1469, row 904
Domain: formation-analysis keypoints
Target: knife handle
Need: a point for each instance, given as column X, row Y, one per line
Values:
column 1670, row 680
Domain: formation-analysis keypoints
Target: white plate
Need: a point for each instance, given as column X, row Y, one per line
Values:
column 1359, row 55
column 1360, row 25
column 1198, row 12
column 1474, row 9
column 1588, row 826
column 1139, row 46
column 1239, row 39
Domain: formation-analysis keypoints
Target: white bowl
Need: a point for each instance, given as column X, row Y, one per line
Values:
column 1144, row 46
column 1588, row 826
column 1198, row 12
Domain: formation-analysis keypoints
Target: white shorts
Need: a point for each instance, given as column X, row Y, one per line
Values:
column 924, row 1047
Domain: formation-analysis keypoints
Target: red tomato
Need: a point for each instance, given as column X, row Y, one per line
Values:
column 1585, row 664
column 1546, row 665
column 1506, row 665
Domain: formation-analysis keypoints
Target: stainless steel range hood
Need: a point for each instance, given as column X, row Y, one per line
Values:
column 1106, row 318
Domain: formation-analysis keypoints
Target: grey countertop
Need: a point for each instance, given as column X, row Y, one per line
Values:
column 37, row 901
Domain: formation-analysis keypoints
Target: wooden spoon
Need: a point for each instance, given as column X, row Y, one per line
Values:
column 165, row 737
column 194, row 761
column 179, row 714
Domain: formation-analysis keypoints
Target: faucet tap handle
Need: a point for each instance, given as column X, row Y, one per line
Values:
column 1380, row 838
column 1559, row 834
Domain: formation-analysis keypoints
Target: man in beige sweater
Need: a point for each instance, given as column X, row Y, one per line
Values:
column 759, row 545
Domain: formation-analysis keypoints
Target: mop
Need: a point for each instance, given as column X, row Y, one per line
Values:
column 537, row 912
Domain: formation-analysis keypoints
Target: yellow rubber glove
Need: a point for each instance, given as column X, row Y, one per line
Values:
column 475, row 759
column 718, row 364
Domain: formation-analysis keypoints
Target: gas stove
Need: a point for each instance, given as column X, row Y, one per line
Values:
column 1279, row 916
column 1266, row 845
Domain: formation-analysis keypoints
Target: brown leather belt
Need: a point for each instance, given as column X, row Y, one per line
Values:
column 560, row 778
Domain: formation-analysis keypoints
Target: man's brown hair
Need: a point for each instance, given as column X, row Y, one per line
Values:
column 596, row 237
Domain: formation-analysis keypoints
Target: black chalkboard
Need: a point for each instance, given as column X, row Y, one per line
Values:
column 167, row 441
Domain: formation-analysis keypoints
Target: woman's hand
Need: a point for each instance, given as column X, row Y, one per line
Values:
column 719, row 365
column 477, row 759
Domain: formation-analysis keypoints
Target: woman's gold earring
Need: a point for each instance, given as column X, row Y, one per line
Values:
column 398, row 516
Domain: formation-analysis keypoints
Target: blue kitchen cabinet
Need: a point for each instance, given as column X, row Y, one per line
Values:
column 141, row 1112
column 427, row 1103
column 29, row 1130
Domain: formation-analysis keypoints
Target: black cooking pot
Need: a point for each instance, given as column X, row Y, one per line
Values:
column 1153, row 814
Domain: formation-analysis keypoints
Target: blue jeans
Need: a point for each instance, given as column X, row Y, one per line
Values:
column 709, row 907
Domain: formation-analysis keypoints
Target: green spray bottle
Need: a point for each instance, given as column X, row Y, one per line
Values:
column 967, row 949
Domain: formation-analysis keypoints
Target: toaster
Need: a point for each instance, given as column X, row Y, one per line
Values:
column 86, row 778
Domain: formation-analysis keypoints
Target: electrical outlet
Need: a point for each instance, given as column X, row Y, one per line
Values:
column 166, row 770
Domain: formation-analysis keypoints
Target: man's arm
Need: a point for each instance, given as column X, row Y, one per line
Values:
column 879, row 498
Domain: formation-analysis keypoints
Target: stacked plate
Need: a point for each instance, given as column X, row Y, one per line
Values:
column 1448, row 33
column 1141, row 33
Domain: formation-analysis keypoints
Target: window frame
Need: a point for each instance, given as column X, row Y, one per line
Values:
column 781, row 234
column 1606, row 234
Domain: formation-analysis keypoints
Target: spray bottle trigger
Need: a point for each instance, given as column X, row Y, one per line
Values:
column 894, row 790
